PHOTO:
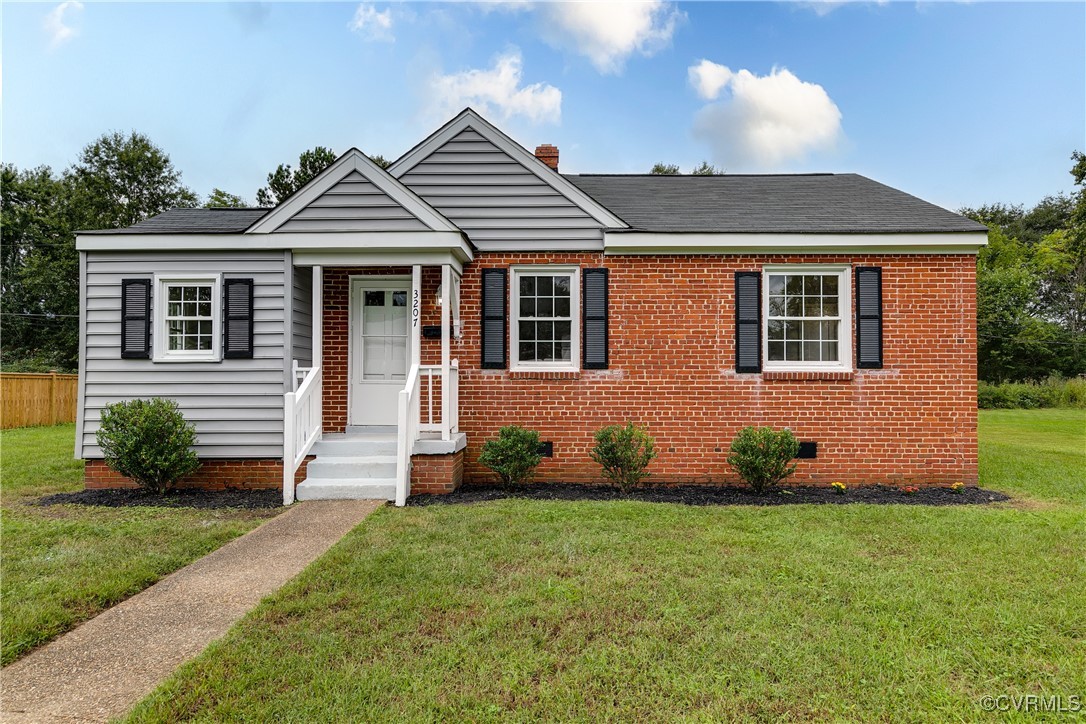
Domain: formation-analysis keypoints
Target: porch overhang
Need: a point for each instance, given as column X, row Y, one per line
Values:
column 401, row 248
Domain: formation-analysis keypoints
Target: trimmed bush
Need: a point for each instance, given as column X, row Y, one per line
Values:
column 513, row 455
column 624, row 452
column 149, row 442
column 761, row 456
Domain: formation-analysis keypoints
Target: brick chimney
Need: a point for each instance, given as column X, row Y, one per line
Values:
column 548, row 154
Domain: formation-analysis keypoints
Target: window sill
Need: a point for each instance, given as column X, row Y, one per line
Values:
column 807, row 375
column 544, row 374
column 183, row 360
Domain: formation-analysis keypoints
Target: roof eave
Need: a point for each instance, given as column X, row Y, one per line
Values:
column 942, row 242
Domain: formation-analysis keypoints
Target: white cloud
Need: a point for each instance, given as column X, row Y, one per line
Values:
column 765, row 121
column 709, row 78
column 497, row 91
column 825, row 7
column 372, row 25
column 513, row 6
column 607, row 33
column 60, row 33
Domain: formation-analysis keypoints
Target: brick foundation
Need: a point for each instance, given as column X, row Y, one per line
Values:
column 214, row 474
column 436, row 474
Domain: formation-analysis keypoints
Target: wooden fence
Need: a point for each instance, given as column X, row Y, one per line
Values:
column 28, row 400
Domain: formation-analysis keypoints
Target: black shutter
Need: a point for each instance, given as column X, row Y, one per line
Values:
column 869, row 317
column 748, row 326
column 594, row 302
column 237, row 302
column 135, row 318
column 494, row 294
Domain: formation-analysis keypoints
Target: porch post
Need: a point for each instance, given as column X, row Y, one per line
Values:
column 318, row 316
column 446, row 315
column 416, row 315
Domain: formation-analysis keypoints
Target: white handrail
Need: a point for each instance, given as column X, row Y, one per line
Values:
column 302, row 424
column 407, row 432
column 428, row 422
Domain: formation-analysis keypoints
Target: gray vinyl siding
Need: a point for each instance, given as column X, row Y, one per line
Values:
column 235, row 404
column 497, row 201
column 353, row 204
column 301, row 328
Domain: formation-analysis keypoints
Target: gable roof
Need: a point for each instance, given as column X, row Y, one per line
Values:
column 192, row 221
column 804, row 203
column 467, row 120
column 352, row 175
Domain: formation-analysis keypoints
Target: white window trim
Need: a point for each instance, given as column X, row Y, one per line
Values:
column 160, row 338
column 575, row 319
column 844, row 305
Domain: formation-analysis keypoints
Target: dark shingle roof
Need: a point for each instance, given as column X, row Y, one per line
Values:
column 812, row 203
column 807, row 203
column 193, row 221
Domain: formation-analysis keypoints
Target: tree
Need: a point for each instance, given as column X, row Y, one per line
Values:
column 222, row 199
column 39, row 272
column 284, row 180
column 1031, row 287
column 117, row 181
column 672, row 169
column 381, row 161
column 121, row 180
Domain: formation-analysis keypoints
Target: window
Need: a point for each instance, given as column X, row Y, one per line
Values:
column 807, row 313
column 545, row 303
column 187, row 327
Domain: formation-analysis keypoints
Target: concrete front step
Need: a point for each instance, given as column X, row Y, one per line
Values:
column 358, row 466
column 346, row 489
column 340, row 467
column 348, row 446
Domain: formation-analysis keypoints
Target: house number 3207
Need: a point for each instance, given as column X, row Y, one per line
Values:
column 415, row 308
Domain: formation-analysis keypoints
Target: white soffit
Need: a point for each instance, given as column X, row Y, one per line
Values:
column 634, row 242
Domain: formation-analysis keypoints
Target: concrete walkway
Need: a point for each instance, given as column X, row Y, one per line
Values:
column 102, row 668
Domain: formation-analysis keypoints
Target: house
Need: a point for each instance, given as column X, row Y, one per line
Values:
column 367, row 335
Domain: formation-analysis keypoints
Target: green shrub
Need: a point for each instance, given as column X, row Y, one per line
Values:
column 761, row 456
column 149, row 442
column 513, row 455
column 1072, row 393
column 1053, row 392
column 624, row 452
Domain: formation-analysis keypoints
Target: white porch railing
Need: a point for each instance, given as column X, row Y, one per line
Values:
column 302, row 424
column 407, row 432
column 431, row 422
column 411, row 423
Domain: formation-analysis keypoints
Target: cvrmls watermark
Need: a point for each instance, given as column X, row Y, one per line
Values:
column 1056, row 703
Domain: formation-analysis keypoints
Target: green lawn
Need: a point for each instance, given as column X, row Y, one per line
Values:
column 634, row 611
column 60, row 565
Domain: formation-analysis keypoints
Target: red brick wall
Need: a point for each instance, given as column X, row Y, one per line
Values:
column 436, row 473
column 672, row 370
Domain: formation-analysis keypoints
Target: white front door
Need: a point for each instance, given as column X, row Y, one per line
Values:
column 378, row 349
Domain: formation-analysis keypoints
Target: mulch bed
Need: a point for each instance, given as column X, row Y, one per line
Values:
column 204, row 499
column 710, row 495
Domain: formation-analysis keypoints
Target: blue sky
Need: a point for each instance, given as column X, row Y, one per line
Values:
column 958, row 103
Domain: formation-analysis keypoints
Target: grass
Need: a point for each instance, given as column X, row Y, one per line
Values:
column 531, row 610
column 63, row 564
